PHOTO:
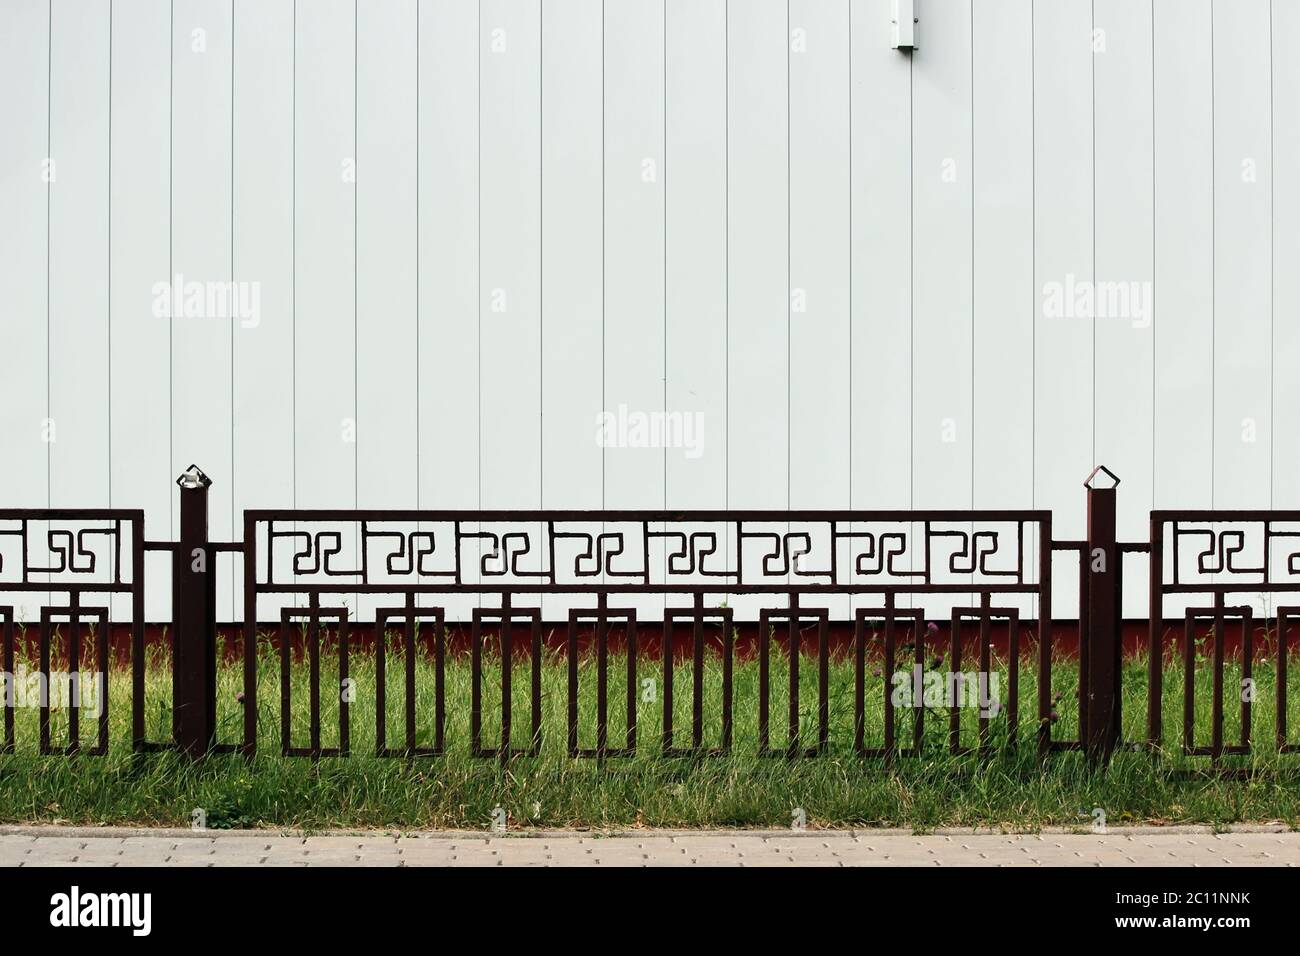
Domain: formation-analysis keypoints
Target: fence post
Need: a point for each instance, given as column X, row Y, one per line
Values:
column 1100, row 654
column 194, row 642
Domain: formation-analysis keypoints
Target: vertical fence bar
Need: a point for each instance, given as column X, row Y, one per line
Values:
column 666, row 661
column 1216, row 702
column 728, row 654
column 439, row 683
column 1155, row 628
column 1100, row 733
column 74, row 671
column 101, row 682
column 476, row 690
column 918, row 667
column 343, row 690
column 572, row 648
column 1247, row 674
column 631, row 684
column 986, row 666
column 1283, row 626
column 602, row 680
column 507, row 689
column 381, row 683
column 138, row 661
column 409, row 636
column 792, row 703
column 250, row 633
column 1013, row 678
column 1281, row 679
column 697, row 682
column 195, row 648
column 764, row 681
column 285, row 727
column 952, row 684
column 823, row 685
column 44, row 664
column 887, row 675
column 1044, row 637
column 535, row 686
column 859, row 687
column 1085, row 558
column 313, row 676
column 1189, row 685
column 10, row 689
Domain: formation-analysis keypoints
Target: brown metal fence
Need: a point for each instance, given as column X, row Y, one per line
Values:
column 670, row 575
column 1213, row 556
column 91, row 555
column 687, row 558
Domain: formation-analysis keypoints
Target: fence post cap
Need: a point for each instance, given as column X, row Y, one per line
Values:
column 193, row 477
column 1090, row 484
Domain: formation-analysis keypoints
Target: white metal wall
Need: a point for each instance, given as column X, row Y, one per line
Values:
column 833, row 252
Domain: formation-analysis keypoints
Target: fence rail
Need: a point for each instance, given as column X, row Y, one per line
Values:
column 804, row 573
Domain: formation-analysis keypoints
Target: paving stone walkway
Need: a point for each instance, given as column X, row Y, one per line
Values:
column 1181, row 846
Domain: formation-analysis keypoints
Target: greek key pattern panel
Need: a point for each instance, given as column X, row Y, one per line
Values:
column 652, row 552
column 1227, row 550
column 44, row 550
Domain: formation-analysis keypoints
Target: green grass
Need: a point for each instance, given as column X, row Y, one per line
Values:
column 1008, row 789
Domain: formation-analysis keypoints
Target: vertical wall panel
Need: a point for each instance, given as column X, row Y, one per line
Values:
column 695, row 255
column 571, row 240
column 24, row 201
column 758, row 287
column 1063, row 244
column 942, row 270
column 449, row 260
column 201, row 255
column 510, row 326
column 1004, row 300
column 758, row 262
column 24, row 197
column 634, row 257
column 1285, row 235
column 819, row 260
column 1125, row 228
column 387, row 395
column 263, row 467
column 387, row 324
column 262, row 471
column 634, row 252
column 448, row 209
column 881, row 209
column 1184, row 257
column 882, row 408
column 79, row 263
column 511, row 366
column 1063, row 250
column 819, row 255
column 572, row 203
column 943, row 459
column 941, row 246
column 324, row 287
column 139, row 331
column 1243, row 180
column 695, row 264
